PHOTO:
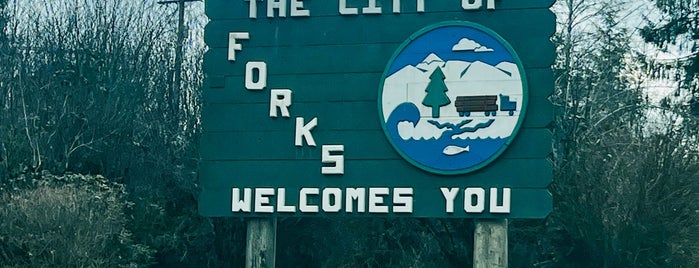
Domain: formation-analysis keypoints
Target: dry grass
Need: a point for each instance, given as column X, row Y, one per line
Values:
column 72, row 225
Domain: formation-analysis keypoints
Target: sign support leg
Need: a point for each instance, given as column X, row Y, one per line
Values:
column 260, row 251
column 490, row 244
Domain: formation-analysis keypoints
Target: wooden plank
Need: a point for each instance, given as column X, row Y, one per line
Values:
column 224, row 9
column 337, row 87
column 356, row 115
column 504, row 173
column 324, row 87
column 539, row 113
column 526, row 203
column 279, row 145
column 541, row 82
column 530, row 143
column 332, row 116
column 302, row 60
column 365, row 30
column 369, row 58
column 359, row 144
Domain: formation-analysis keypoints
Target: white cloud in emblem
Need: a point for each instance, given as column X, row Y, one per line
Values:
column 483, row 49
column 466, row 44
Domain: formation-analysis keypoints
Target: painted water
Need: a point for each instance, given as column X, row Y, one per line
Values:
column 431, row 152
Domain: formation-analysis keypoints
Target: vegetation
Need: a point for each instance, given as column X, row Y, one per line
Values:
column 679, row 27
column 68, row 221
column 90, row 91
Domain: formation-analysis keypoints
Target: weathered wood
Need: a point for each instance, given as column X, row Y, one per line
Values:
column 360, row 144
column 429, row 202
column 357, row 58
column 260, row 251
column 335, row 64
column 227, row 9
column 490, row 244
column 326, row 87
column 363, row 31
column 386, row 172
column 336, row 116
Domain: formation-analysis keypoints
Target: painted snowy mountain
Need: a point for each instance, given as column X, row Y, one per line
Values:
column 462, row 78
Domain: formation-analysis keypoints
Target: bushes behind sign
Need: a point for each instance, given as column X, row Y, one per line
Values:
column 68, row 221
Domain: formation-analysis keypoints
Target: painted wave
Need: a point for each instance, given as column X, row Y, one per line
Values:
column 429, row 152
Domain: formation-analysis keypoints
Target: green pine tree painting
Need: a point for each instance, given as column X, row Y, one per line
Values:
column 436, row 92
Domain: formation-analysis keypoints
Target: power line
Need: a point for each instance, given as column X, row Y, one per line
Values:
column 177, row 1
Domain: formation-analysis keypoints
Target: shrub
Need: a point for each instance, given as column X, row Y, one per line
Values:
column 68, row 221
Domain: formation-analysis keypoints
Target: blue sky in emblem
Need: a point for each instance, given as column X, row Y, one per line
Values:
column 440, row 41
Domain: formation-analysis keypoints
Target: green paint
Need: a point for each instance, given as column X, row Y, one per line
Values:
column 386, row 172
column 228, row 9
column 358, row 58
column 526, row 204
column 364, row 30
column 360, row 144
column 363, row 87
column 436, row 92
column 333, row 64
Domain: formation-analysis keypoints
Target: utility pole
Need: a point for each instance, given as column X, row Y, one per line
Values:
column 177, row 74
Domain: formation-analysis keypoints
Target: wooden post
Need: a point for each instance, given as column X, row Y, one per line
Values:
column 490, row 244
column 260, row 251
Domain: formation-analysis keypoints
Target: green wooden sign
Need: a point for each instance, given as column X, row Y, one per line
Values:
column 377, row 108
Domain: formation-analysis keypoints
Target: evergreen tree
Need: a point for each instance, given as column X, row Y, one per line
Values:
column 2, row 18
column 436, row 92
column 614, row 203
column 679, row 26
column 3, row 35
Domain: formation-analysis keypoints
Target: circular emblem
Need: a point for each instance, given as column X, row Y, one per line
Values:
column 452, row 97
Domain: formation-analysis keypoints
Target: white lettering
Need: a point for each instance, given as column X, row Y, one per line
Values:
column 278, row 5
column 376, row 196
column 233, row 46
column 253, row 9
column 491, row 4
column 332, row 199
column 262, row 200
column 237, row 204
column 471, row 4
column 420, row 6
column 344, row 10
column 479, row 194
column 337, row 160
column 328, row 200
column 372, row 8
column 449, row 196
column 303, row 200
column 355, row 194
column 297, row 9
column 250, row 68
column 281, row 202
column 403, row 200
column 505, row 207
column 279, row 98
column 303, row 132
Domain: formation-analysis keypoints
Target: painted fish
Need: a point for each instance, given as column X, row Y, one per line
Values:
column 454, row 150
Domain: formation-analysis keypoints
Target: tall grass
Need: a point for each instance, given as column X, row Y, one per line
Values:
column 79, row 222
